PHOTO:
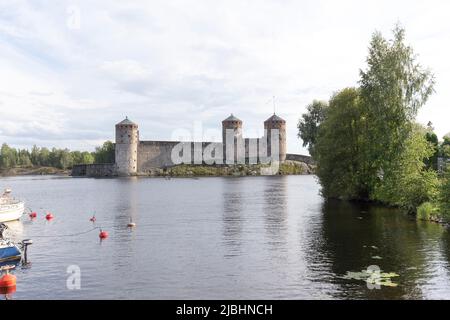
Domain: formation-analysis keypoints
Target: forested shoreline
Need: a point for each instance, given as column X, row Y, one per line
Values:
column 25, row 160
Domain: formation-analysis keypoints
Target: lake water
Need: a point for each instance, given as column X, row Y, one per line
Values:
column 220, row 238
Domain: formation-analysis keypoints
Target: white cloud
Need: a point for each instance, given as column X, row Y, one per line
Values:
column 127, row 70
column 168, row 63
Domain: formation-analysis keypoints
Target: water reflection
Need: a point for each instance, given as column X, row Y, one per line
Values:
column 275, row 212
column 355, row 236
column 127, row 201
column 233, row 215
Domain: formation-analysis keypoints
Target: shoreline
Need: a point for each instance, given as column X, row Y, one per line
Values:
column 33, row 171
column 181, row 171
column 192, row 170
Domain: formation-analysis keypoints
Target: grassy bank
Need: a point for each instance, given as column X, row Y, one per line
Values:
column 287, row 168
column 25, row 171
column 438, row 209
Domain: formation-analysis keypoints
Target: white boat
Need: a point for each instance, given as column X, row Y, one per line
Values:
column 10, row 209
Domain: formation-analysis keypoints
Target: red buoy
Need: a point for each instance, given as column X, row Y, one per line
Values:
column 8, row 290
column 7, row 281
column 33, row 215
column 103, row 234
column 49, row 216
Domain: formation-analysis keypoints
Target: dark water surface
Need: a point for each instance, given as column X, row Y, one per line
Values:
column 220, row 238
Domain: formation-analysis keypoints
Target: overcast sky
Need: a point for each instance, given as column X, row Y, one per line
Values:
column 70, row 70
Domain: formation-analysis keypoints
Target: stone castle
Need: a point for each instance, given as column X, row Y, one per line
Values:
column 136, row 157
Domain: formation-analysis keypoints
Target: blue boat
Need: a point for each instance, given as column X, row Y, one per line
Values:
column 9, row 251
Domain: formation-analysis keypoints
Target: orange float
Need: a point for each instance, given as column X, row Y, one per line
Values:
column 8, row 290
column 8, row 280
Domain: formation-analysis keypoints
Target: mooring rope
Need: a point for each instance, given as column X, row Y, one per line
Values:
column 67, row 235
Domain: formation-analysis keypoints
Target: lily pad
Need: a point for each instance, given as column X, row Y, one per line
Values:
column 389, row 275
column 382, row 282
column 381, row 278
column 363, row 275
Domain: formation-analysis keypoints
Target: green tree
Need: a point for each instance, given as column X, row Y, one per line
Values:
column 432, row 138
column 76, row 157
column 53, row 158
column 339, row 145
column 444, row 149
column 407, row 182
column 34, row 155
column 444, row 196
column 308, row 126
column 8, row 157
column 393, row 89
column 44, row 157
column 105, row 153
column 87, row 158
column 23, row 158
column 65, row 160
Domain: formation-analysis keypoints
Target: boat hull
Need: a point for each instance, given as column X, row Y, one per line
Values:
column 10, row 253
column 11, row 212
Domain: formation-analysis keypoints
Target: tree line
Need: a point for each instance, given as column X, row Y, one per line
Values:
column 57, row 158
column 366, row 141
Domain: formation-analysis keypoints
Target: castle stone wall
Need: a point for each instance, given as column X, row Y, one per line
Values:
column 94, row 170
column 154, row 154
column 158, row 154
column 299, row 158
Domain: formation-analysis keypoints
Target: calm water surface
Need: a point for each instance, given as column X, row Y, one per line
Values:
column 220, row 238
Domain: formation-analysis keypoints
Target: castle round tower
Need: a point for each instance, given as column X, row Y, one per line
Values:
column 277, row 123
column 127, row 140
column 231, row 129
